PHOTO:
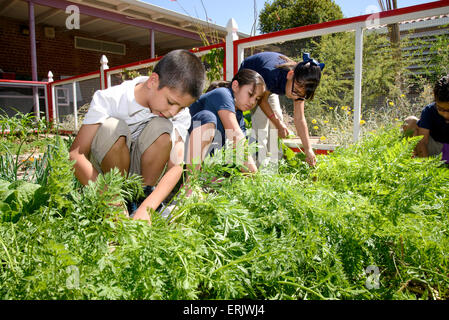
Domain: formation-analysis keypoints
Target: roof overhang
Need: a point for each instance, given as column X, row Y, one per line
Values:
column 122, row 20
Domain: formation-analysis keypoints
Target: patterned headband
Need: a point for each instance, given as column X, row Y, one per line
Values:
column 306, row 59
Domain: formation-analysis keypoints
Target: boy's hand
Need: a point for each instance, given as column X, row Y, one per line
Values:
column 122, row 206
column 142, row 214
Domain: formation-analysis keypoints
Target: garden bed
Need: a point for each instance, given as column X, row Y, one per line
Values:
column 369, row 222
column 295, row 144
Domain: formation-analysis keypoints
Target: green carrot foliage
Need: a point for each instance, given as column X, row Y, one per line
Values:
column 294, row 233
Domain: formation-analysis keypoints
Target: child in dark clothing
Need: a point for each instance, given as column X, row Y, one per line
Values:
column 218, row 114
column 433, row 124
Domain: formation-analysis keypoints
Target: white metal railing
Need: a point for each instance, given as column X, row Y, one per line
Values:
column 107, row 72
column 28, row 84
column 56, row 86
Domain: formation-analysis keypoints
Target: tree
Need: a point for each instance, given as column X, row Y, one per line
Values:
column 286, row 14
column 394, row 34
column 393, row 28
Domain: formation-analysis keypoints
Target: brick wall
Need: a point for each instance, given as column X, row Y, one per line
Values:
column 58, row 55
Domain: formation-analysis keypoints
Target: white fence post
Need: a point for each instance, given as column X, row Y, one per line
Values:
column 104, row 66
column 75, row 106
column 52, row 92
column 358, row 81
column 232, row 35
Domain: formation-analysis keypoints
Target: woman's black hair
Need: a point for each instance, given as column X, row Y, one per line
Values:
column 243, row 77
column 441, row 89
column 308, row 75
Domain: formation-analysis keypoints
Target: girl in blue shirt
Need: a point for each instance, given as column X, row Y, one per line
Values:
column 297, row 81
column 219, row 114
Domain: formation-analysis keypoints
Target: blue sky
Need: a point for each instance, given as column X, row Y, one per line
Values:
column 220, row 11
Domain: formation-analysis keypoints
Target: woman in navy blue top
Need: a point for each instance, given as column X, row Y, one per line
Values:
column 221, row 111
column 297, row 81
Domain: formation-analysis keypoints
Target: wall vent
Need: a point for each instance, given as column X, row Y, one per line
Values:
column 100, row 45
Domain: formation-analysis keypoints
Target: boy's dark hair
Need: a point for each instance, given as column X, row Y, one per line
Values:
column 243, row 77
column 441, row 89
column 181, row 70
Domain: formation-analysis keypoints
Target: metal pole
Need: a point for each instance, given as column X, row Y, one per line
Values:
column 152, row 43
column 358, row 81
column 33, row 57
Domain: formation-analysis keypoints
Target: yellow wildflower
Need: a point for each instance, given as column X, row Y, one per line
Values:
column 315, row 127
column 391, row 103
column 326, row 121
column 323, row 138
column 331, row 108
column 314, row 121
column 362, row 122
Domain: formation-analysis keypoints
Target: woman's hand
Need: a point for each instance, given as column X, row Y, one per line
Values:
column 310, row 157
column 282, row 130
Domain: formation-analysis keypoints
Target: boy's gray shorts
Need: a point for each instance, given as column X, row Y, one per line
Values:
column 434, row 147
column 112, row 129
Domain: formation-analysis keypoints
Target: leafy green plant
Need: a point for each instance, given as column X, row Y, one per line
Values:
column 295, row 233
column 214, row 64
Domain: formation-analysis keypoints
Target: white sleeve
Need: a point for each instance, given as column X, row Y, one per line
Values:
column 107, row 103
column 181, row 123
column 98, row 111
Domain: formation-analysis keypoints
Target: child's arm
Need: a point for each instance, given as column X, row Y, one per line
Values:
column 231, row 125
column 278, row 123
column 303, row 131
column 166, row 184
column 421, row 147
column 79, row 151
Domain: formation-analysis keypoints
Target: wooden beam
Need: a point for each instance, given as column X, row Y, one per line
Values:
column 89, row 21
column 6, row 5
column 134, row 35
column 122, row 7
column 185, row 24
column 47, row 15
column 112, row 30
column 156, row 16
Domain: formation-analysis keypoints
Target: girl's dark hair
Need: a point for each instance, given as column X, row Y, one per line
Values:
column 218, row 84
column 243, row 77
column 305, row 73
column 181, row 70
column 441, row 89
